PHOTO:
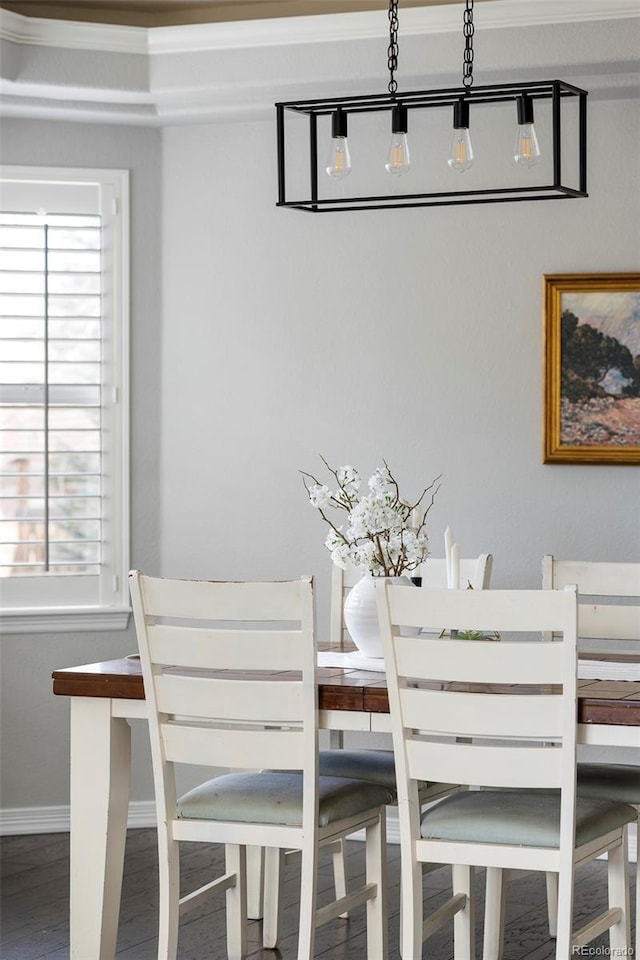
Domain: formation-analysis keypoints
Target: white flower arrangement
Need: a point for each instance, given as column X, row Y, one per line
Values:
column 384, row 535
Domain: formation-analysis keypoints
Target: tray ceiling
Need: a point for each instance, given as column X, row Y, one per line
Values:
column 159, row 13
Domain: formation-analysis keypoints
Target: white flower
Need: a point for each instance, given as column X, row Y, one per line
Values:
column 319, row 495
column 349, row 478
column 380, row 536
column 341, row 555
column 380, row 480
column 334, row 539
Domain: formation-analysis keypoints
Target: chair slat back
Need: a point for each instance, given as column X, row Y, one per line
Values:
column 541, row 767
column 603, row 621
column 225, row 649
column 234, row 600
column 212, row 657
column 472, row 716
column 600, row 586
column 249, row 701
column 225, row 748
column 592, row 578
column 477, row 661
column 475, row 571
column 515, row 698
column 504, row 610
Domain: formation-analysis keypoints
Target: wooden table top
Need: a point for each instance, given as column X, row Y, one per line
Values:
column 600, row 701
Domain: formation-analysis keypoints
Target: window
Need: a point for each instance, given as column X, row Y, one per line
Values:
column 63, row 399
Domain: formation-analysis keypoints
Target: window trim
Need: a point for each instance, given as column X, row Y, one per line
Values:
column 114, row 613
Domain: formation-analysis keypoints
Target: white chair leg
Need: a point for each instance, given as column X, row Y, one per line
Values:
column 618, row 879
column 552, row 903
column 169, row 895
column 255, row 880
column 376, row 872
column 564, row 933
column 493, row 944
column 236, row 862
column 273, row 864
column 637, row 946
column 464, row 937
column 411, row 909
column 338, row 858
column 308, row 898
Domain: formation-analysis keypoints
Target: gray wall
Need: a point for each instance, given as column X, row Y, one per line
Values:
column 263, row 337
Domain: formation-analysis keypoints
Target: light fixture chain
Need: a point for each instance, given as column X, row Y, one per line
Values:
column 392, row 50
column 468, row 30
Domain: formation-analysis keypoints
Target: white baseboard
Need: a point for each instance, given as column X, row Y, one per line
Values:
column 22, row 820
column 142, row 813
column 18, row 821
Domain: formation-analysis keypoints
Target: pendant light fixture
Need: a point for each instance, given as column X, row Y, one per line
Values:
column 563, row 174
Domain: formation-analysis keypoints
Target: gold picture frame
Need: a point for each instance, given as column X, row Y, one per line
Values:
column 592, row 368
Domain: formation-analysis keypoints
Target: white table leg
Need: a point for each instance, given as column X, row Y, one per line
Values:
column 100, row 771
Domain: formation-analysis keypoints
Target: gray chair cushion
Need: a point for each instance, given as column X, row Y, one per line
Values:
column 273, row 797
column 609, row 781
column 520, row 818
column 376, row 766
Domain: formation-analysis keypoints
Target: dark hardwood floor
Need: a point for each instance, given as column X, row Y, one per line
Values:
column 34, row 901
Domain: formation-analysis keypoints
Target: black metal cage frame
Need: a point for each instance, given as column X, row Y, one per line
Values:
column 554, row 90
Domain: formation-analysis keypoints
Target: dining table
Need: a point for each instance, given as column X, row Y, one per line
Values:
column 105, row 696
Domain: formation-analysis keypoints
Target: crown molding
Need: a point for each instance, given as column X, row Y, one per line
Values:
column 325, row 28
column 72, row 35
column 414, row 21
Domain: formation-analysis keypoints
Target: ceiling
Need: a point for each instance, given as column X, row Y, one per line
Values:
column 162, row 13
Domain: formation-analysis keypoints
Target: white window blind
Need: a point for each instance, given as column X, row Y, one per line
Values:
column 63, row 358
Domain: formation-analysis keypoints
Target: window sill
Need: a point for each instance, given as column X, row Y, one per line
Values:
column 65, row 620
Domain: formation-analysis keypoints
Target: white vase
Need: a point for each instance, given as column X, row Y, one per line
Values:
column 361, row 615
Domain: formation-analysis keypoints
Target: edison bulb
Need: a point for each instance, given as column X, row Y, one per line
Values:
column 461, row 153
column 398, row 158
column 339, row 163
column 527, row 149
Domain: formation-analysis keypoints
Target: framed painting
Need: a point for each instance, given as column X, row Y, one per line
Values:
column 592, row 368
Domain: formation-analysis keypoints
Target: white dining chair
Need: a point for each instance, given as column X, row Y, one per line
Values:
column 608, row 618
column 214, row 657
column 500, row 716
column 378, row 765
